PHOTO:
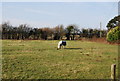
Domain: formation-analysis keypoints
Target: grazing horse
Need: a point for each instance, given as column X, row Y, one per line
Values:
column 61, row 44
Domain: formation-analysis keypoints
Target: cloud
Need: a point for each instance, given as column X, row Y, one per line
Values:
column 34, row 24
column 43, row 12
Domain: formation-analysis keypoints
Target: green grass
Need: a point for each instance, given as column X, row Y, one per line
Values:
column 40, row 59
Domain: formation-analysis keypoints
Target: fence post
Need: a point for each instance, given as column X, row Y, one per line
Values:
column 113, row 72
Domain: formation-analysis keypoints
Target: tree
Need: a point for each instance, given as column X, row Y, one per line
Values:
column 6, row 28
column 114, row 34
column 71, row 30
column 90, row 33
column 84, row 32
column 23, row 31
column 114, row 22
column 46, row 32
column 59, row 32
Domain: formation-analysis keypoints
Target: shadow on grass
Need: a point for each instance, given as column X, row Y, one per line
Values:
column 73, row 48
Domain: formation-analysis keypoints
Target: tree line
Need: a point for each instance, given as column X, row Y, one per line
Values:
column 71, row 32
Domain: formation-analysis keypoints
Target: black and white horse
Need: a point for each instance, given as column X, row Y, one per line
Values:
column 61, row 44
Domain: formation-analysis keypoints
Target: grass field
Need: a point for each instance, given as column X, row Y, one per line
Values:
column 40, row 59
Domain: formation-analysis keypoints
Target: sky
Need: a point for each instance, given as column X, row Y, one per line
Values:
column 51, row 14
column 60, row 0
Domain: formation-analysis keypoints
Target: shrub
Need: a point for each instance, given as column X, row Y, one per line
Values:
column 114, row 34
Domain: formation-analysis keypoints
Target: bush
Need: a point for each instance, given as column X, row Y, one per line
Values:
column 114, row 34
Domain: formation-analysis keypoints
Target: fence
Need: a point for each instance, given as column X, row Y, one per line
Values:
column 113, row 72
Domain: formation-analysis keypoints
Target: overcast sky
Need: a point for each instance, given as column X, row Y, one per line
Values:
column 50, row 14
